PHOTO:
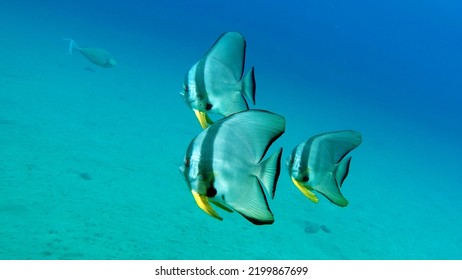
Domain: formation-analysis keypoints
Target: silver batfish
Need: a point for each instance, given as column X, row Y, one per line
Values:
column 215, row 83
column 224, row 165
column 320, row 164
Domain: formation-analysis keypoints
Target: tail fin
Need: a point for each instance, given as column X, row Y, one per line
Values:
column 72, row 45
column 248, row 85
column 341, row 171
column 270, row 170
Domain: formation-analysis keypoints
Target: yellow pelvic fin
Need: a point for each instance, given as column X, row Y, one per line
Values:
column 203, row 203
column 311, row 196
column 203, row 118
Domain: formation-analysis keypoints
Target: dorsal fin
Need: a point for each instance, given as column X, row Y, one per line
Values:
column 258, row 129
column 229, row 50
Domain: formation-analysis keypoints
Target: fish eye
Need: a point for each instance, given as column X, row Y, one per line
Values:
column 305, row 178
column 186, row 88
column 187, row 162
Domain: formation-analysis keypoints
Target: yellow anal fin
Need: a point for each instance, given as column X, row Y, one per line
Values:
column 203, row 203
column 311, row 196
column 203, row 119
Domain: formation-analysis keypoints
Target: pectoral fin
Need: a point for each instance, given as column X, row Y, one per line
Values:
column 311, row 196
column 203, row 203
column 203, row 118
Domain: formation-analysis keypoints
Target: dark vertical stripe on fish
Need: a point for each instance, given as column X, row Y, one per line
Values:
column 199, row 77
column 304, row 157
column 207, row 156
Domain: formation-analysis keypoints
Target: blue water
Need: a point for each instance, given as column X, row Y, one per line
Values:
column 89, row 156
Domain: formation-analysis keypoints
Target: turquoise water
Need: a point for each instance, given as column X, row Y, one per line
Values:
column 90, row 156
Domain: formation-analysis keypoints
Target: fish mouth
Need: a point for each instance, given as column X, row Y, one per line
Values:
column 305, row 190
column 183, row 172
column 203, row 202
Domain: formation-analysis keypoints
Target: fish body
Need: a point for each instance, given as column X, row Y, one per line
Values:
column 96, row 56
column 215, row 84
column 321, row 164
column 224, row 165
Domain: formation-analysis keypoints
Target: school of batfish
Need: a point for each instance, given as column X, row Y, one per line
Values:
column 225, row 163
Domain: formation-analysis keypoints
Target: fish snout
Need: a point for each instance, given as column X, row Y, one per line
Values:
column 112, row 62
column 187, row 98
column 189, row 92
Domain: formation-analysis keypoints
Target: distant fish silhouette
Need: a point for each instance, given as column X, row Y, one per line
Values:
column 96, row 56
column 216, row 83
column 320, row 164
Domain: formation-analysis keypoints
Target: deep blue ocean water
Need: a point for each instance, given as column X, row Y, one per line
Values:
column 89, row 156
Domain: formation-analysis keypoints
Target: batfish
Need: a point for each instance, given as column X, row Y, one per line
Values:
column 215, row 83
column 96, row 56
column 320, row 164
column 224, row 165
